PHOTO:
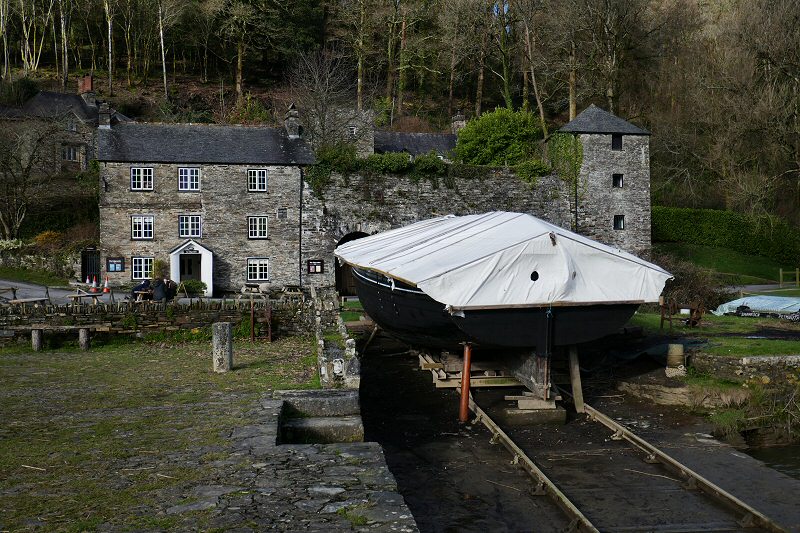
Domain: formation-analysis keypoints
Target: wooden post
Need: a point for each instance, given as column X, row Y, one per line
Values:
column 83, row 338
column 575, row 378
column 463, row 411
column 797, row 277
column 36, row 340
column 780, row 283
column 222, row 346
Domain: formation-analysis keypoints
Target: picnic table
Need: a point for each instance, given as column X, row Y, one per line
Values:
column 142, row 296
column 81, row 294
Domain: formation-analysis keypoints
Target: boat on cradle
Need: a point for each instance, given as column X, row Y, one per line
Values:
column 497, row 280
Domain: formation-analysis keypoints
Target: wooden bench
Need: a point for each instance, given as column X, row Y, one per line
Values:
column 25, row 301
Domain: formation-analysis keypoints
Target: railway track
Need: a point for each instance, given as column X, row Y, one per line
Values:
column 747, row 517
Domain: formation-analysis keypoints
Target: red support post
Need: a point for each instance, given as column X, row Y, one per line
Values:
column 463, row 411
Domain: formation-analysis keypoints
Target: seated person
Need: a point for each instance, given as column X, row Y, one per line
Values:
column 159, row 290
column 143, row 286
column 172, row 289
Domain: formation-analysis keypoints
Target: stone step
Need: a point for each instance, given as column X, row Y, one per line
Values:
column 320, row 402
column 322, row 430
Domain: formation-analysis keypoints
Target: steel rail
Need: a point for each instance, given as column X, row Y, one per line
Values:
column 579, row 522
column 750, row 517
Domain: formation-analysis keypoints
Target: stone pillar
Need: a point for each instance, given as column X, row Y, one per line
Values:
column 222, row 346
column 83, row 338
column 36, row 340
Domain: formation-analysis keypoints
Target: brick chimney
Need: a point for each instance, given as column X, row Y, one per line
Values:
column 458, row 122
column 292, row 122
column 86, row 90
column 104, row 116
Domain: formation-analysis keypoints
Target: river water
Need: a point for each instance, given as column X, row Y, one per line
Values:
column 785, row 459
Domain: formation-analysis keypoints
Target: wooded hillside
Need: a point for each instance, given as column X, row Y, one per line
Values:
column 718, row 83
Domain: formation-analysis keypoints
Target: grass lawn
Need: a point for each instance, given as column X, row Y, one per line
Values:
column 91, row 438
column 728, row 335
column 787, row 292
column 31, row 276
column 352, row 311
column 732, row 267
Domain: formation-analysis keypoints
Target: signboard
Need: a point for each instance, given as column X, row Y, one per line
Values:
column 115, row 264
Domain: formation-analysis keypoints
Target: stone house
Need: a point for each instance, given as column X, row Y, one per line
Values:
column 220, row 204
column 77, row 116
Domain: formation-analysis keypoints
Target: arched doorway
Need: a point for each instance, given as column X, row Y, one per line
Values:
column 345, row 284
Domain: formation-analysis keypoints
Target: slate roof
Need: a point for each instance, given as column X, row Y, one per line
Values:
column 134, row 142
column 596, row 120
column 47, row 104
column 414, row 143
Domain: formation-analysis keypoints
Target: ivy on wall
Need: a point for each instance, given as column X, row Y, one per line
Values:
column 344, row 160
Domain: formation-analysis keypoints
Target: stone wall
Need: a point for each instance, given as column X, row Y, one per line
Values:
column 224, row 204
column 599, row 201
column 68, row 266
column 288, row 318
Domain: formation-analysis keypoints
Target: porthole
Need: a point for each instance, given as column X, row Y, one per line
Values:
column 534, row 275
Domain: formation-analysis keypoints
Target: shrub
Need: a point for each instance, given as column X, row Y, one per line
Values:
column 429, row 164
column 691, row 283
column 50, row 241
column 339, row 157
column 763, row 236
column 531, row 171
column 160, row 269
column 501, row 137
column 194, row 287
column 393, row 163
column 18, row 92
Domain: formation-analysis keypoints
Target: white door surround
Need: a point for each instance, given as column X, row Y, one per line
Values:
column 206, row 263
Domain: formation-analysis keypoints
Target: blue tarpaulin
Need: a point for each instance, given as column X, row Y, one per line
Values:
column 768, row 304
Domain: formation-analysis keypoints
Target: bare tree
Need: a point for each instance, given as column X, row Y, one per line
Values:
column 168, row 13
column 323, row 89
column 27, row 163
column 5, row 8
column 108, row 7
column 34, row 18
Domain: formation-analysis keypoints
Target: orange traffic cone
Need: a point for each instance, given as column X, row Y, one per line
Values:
column 94, row 285
column 105, row 286
column 87, row 279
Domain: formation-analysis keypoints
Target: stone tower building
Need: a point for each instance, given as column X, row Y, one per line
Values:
column 613, row 204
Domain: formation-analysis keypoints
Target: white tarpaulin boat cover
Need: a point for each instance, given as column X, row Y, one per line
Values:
column 500, row 259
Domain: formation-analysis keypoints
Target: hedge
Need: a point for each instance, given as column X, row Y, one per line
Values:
column 763, row 236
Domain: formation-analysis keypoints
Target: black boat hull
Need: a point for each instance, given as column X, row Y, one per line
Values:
column 416, row 318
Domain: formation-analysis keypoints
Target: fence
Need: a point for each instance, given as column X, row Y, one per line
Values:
column 788, row 274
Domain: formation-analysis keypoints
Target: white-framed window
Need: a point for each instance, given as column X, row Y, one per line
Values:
column 616, row 181
column 141, row 179
column 188, row 179
column 619, row 221
column 190, row 226
column 142, row 227
column 141, row 267
column 69, row 153
column 72, row 126
column 283, row 213
column 257, row 269
column 257, row 179
column 257, row 227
